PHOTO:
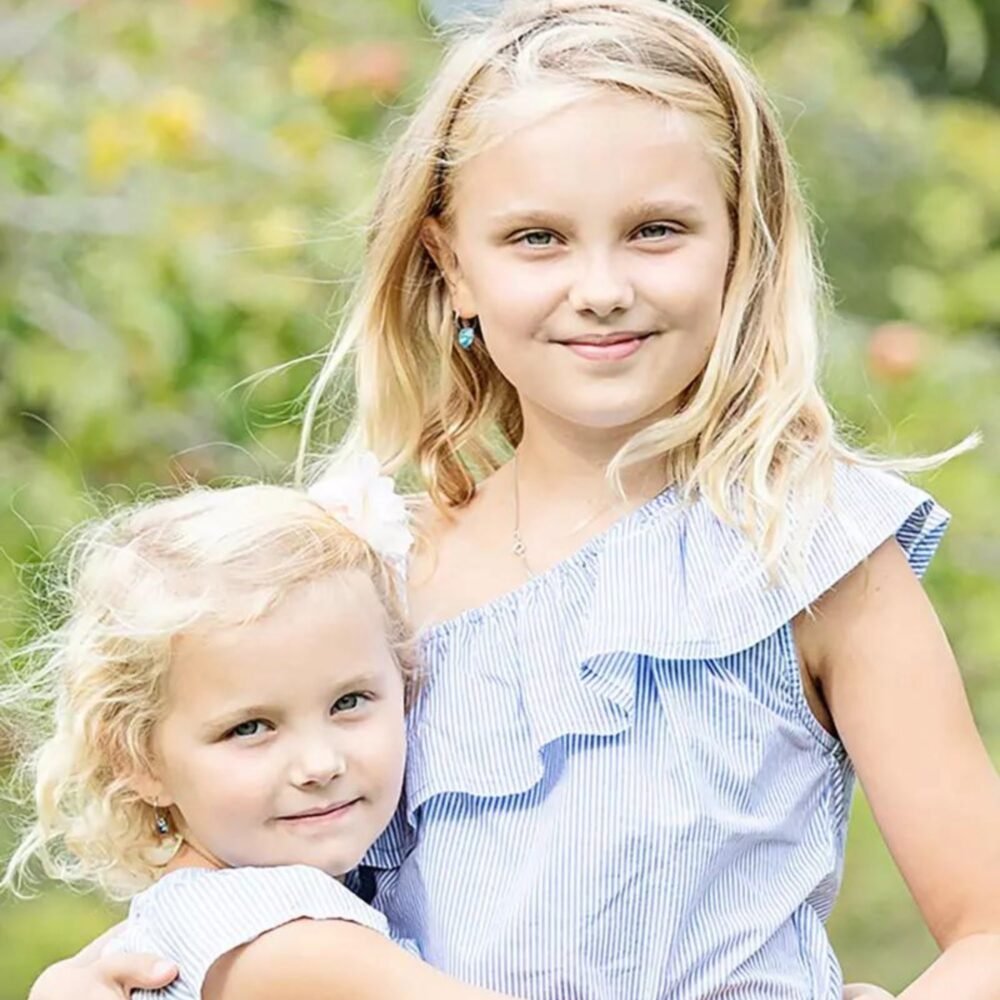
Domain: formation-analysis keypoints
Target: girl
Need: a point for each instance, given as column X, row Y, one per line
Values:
column 666, row 613
column 229, row 687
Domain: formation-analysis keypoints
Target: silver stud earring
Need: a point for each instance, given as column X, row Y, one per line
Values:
column 161, row 822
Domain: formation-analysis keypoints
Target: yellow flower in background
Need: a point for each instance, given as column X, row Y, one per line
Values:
column 279, row 232
column 110, row 147
column 174, row 119
column 304, row 138
column 314, row 72
column 188, row 219
column 377, row 68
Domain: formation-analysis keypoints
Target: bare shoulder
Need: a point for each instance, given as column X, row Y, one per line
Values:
column 461, row 559
column 860, row 604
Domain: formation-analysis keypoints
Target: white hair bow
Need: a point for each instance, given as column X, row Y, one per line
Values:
column 356, row 493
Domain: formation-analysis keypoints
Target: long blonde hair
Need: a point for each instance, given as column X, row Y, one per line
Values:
column 92, row 689
column 752, row 434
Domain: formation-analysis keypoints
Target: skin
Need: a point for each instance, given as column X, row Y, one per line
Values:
column 875, row 663
column 297, row 712
column 591, row 252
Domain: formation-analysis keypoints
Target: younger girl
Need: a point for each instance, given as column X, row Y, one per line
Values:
column 229, row 687
column 666, row 612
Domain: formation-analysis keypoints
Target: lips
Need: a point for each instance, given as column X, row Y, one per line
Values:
column 320, row 812
column 607, row 347
column 607, row 339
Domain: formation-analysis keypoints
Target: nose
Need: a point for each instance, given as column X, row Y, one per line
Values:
column 316, row 761
column 601, row 287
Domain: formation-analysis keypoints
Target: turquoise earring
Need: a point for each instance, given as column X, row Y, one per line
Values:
column 466, row 335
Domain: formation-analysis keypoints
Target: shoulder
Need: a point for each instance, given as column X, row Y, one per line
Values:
column 197, row 916
column 461, row 554
column 437, row 525
column 874, row 597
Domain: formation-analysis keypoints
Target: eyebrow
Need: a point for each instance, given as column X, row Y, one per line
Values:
column 667, row 206
column 658, row 208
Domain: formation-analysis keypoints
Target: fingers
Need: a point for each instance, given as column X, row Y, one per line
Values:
column 107, row 978
column 133, row 972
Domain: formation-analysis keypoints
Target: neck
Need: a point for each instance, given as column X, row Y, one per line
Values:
column 555, row 459
column 190, row 856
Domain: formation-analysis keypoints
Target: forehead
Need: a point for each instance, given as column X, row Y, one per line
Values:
column 320, row 632
column 590, row 156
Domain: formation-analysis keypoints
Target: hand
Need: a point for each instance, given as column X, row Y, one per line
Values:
column 861, row 991
column 93, row 975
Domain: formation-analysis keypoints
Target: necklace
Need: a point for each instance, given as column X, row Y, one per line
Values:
column 518, row 548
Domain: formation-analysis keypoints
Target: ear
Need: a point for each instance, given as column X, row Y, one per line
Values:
column 150, row 789
column 439, row 244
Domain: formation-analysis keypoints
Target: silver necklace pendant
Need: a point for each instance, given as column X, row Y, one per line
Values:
column 519, row 548
column 520, row 551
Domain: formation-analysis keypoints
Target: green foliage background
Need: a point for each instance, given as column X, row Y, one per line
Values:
column 183, row 193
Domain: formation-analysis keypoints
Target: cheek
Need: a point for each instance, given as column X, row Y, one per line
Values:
column 512, row 293
column 225, row 782
column 690, row 307
column 386, row 752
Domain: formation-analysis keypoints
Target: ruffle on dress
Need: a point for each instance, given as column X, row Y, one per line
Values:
column 559, row 656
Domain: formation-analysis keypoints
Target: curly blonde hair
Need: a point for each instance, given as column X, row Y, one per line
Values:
column 94, row 687
column 753, row 434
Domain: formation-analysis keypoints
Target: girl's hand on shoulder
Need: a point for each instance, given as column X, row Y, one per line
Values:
column 93, row 975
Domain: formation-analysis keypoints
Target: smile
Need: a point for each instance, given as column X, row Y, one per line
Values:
column 611, row 347
column 321, row 813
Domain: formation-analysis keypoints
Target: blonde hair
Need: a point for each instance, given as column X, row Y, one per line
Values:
column 131, row 585
column 752, row 434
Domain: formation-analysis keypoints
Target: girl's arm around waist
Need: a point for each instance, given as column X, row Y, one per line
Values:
column 331, row 960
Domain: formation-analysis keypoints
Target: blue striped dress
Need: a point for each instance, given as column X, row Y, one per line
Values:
column 616, row 789
column 194, row 916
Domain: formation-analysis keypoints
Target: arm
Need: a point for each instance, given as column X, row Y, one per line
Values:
column 879, row 656
column 330, row 960
column 90, row 975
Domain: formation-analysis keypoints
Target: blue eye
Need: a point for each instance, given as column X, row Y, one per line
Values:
column 252, row 727
column 349, row 702
column 535, row 238
column 659, row 230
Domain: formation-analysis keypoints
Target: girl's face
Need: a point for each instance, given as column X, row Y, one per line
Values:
column 593, row 246
column 284, row 740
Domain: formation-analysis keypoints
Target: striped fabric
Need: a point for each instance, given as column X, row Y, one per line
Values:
column 616, row 789
column 194, row 916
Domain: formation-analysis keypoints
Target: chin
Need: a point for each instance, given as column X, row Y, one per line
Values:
column 344, row 863
column 617, row 419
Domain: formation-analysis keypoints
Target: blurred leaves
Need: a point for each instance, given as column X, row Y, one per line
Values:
column 183, row 192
